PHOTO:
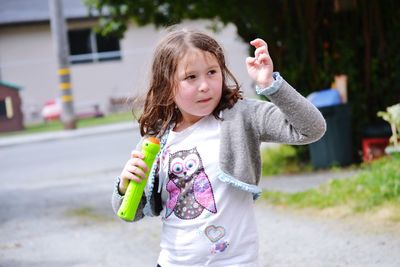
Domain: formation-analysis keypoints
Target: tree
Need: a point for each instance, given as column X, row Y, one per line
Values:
column 311, row 41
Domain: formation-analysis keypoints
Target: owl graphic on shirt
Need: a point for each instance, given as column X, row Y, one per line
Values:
column 190, row 190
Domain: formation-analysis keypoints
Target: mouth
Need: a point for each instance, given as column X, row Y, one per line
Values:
column 205, row 100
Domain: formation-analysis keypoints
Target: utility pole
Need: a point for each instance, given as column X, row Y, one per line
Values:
column 58, row 29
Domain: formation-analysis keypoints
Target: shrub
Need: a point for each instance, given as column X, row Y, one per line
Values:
column 283, row 159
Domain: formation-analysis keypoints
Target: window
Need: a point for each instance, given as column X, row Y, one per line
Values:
column 6, row 110
column 87, row 46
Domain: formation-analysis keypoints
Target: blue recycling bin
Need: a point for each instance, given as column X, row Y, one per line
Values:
column 335, row 147
column 325, row 98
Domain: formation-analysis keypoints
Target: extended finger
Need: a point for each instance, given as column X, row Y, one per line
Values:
column 258, row 43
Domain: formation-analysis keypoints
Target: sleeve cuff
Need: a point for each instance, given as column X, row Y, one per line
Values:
column 116, row 189
column 273, row 88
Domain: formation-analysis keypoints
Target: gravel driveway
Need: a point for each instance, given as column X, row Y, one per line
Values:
column 58, row 230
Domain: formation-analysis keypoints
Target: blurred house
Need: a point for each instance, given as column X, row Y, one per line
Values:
column 104, row 71
column 11, row 118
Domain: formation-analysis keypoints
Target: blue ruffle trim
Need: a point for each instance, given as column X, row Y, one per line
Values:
column 226, row 178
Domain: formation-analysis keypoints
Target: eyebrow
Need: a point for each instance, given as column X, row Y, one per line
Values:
column 214, row 66
column 187, row 69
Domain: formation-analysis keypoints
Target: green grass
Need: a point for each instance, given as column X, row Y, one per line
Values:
column 283, row 159
column 82, row 123
column 377, row 184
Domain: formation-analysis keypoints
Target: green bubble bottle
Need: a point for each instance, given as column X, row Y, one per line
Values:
column 134, row 192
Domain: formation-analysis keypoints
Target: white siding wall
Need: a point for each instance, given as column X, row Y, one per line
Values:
column 28, row 59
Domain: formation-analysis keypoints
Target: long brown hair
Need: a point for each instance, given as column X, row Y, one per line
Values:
column 159, row 107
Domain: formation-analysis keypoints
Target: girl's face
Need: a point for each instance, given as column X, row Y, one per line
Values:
column 199, row 85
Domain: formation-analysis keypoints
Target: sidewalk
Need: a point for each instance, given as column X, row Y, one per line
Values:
column 301, row 182
column 64, row 134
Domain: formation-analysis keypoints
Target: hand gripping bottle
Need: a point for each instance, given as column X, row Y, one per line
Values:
column 134, row 192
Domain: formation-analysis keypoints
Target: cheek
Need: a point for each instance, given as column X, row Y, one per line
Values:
column 218, row 87
column 183, row 97
column 186, row 91
column 218, row 82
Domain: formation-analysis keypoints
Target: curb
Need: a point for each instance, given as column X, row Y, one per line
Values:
column 66, row 134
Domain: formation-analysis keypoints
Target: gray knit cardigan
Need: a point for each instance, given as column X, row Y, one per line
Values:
column 289, row 118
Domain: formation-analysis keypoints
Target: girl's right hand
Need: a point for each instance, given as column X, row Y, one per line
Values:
column 135, row 169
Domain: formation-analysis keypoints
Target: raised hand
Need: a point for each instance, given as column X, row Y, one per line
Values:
column 260, row 67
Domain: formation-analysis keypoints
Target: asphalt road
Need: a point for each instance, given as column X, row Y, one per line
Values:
column 55, row 211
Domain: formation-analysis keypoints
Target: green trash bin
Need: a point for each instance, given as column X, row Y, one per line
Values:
column 335, row 147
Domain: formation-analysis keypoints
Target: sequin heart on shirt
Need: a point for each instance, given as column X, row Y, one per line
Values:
column 214, row 233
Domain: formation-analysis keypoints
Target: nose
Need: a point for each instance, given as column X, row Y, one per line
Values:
column 203, row 86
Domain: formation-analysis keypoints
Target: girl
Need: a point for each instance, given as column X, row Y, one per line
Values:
column 205, row 177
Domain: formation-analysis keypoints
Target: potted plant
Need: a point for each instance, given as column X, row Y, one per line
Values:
column 392, row 116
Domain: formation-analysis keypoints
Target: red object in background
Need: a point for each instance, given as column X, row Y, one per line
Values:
column 374, row 148
column 51, row 110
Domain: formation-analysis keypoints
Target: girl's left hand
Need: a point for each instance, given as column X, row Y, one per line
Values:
column 260, row 67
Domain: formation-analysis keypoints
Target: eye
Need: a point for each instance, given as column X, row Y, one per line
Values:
column 190, row 77
column 190, row 164
column 212, row 72
column 177, row 168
